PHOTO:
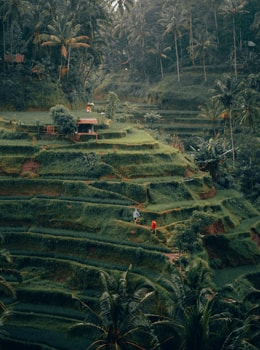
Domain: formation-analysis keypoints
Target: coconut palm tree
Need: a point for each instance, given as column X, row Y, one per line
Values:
column 119, row 322
column 204, row 45
column 121, row 6
column 198, row 316
column 173, row 20
column 138, row 35
column 13, row 13
column 211, row 110
column 38, row 20
column 226, row 92
column 214, row 5
column 249, row 109
column 189, row 307
column 233, row 8
column 256, row 24
column 248, row 100
column 241, row 329
column 50, row 7
column 64, row 35
column 160, row 53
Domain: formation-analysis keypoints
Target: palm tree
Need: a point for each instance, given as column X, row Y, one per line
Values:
column 241, row 315
column 249, row 108
column 174, row 19
column 226, row 92
column 189, row 307
column 64, row 35
column 121, row 5
column 160, row 53
column 120, row 322
column 233, row 8
column 204, row 45
column 5, row 261
column 214, row 5
column 50, row 7
column 211, row 110
column 256, row 24
column 13, row 13
column 38, row 20
column 248, row 100
column 139, row 35
column 196, row 328
column 200, row 317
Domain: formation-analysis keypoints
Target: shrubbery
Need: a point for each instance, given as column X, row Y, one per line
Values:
column 63, row 119
column 112, row 105
column 187, row 236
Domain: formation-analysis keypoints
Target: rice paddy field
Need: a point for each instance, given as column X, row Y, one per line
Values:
column 66, row 213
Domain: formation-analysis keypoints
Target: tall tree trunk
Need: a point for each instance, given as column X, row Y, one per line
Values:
column 204, row 66
column 177, row 55
column 191, row 41
column 235, row 46
column 216, row 25
column 216, row 20
column 4, row 46
column 68, row 63
column 232, row 136
column 161, row 67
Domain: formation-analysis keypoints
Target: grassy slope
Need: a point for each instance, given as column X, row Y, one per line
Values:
column 187, row 94
column 68, row 220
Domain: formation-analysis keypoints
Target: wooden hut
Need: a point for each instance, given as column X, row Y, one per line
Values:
column 85, row 127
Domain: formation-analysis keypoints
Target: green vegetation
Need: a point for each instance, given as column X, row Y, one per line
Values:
column 63, row 119
column 6, row 287
column 62, row 56
column 66, row 215
column 174, row 88
column 111, row 105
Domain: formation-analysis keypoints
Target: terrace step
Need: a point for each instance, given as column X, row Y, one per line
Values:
column 81, row 250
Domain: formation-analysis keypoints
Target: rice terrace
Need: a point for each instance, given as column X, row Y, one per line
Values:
column 129, row 175
column 66, row 215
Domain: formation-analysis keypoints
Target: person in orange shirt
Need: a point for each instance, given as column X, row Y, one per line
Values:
column 154, row 227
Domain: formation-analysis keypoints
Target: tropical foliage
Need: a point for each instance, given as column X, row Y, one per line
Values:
column 120, row 321
column 66, row 43
column 236, row 103
column 111, row 105
column 6, row 288
column 183, row 310
column 63, row 119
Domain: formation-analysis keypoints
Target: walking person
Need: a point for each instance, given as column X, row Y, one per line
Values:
column 154, row 227
column 136, row 215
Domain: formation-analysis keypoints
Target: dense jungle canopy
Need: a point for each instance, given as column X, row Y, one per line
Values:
column 57, row 51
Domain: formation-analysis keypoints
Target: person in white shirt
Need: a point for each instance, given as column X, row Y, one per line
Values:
column 136, row 215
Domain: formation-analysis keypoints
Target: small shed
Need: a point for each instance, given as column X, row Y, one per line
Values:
column 85, row 126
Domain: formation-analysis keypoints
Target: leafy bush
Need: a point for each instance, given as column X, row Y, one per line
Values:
column 11, row 165
column 229, row 250
column 212, row 156
column 112, row 105
column 186, row 236
column 152, row 117
column 15, row 150
column 12, row 135
column 63, row 119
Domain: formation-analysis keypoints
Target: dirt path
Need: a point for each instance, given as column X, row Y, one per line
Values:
column 30, row 166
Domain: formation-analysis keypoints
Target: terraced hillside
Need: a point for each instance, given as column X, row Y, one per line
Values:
column 184, row 123
column 66, row 213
